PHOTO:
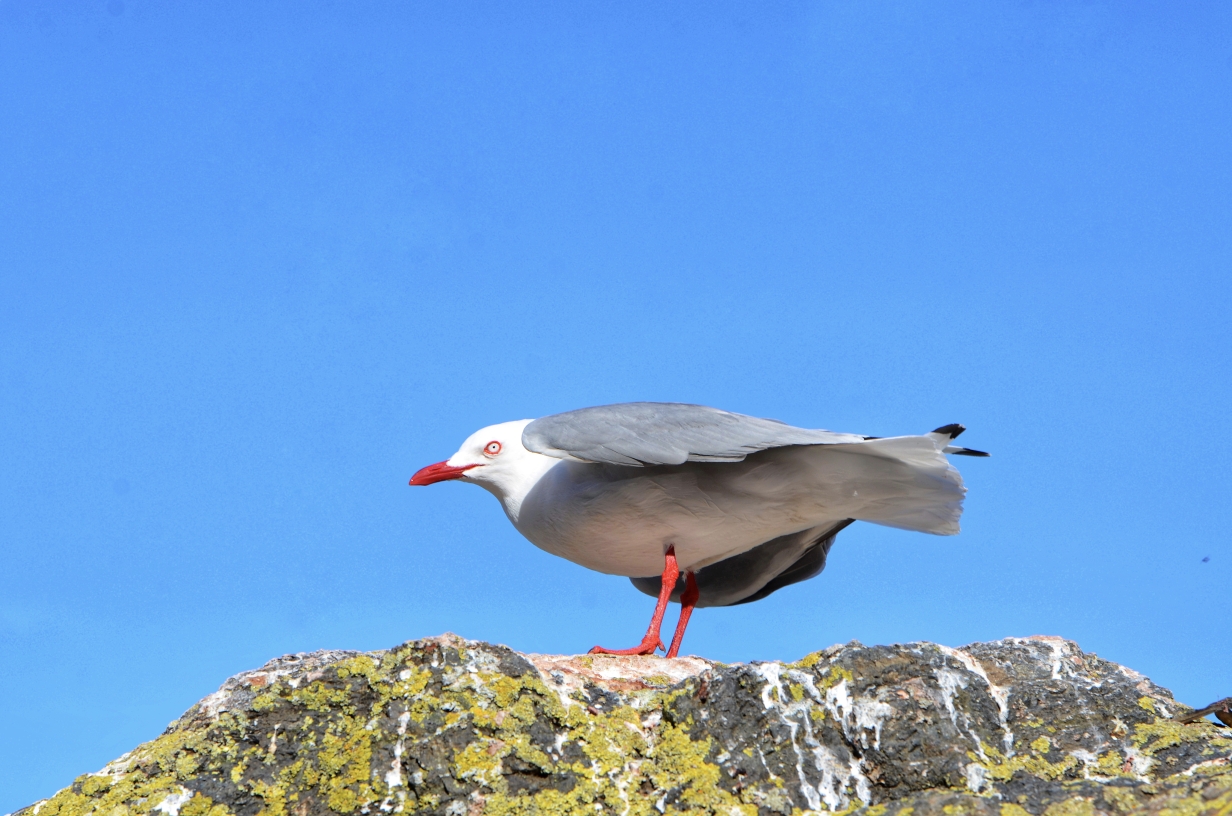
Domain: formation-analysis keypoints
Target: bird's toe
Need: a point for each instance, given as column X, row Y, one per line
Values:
column 646, row 647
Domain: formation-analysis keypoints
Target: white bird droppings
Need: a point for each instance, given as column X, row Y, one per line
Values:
column 999, row 694
column 975, row 774
column 172, row 804
column 950, row 682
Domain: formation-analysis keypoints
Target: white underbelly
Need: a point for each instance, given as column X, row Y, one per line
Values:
column 634, row 545
column 621, row 520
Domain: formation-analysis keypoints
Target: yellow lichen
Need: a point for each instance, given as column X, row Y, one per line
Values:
column 810, row 660
column 681, row 762
column 1034, row 765
column 345, row 759
column 1123, row 799
column 264, row 701
column 481, row 762
column 1153, row 737
column 95, row 784
column 348, row 712
column 1205, row 803
column 963, row 807
column 1071, row 807
column 1111, row 763
column 202, row 805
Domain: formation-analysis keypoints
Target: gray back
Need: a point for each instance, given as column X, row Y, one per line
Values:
column 664, row 433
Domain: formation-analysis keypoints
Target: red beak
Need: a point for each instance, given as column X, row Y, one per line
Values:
column 440, row 472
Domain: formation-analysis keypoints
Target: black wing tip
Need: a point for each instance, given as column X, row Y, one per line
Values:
column 952, row 430
column 969, row 452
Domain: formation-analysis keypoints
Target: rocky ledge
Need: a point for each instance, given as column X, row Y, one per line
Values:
column 456, row 727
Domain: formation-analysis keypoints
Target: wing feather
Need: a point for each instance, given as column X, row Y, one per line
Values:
column 664, row 433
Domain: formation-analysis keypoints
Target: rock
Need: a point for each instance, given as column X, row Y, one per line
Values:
column 456, row 727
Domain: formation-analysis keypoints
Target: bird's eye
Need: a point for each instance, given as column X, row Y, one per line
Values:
column 492, row 448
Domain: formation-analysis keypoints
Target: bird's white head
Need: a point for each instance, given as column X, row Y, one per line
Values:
column 495, row 459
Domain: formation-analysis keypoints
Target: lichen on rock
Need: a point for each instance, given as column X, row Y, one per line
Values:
column 455, row 727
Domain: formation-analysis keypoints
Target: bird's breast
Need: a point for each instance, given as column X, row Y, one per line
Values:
column 621, row 520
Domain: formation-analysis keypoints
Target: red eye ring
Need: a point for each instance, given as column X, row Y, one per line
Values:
column 492, row 448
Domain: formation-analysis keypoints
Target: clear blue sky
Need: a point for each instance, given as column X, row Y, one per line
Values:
column 257, row 266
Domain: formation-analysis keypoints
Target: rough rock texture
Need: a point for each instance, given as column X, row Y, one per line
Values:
column 455, row 727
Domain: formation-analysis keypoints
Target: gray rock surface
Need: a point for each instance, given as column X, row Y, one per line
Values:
column 452, row 727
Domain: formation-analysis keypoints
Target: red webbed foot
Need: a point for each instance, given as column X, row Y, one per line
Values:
column 646, row 647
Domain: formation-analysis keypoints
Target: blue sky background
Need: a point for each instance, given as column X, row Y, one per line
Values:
column 257, row 266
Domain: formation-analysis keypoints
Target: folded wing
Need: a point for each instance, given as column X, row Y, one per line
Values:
column 664, row 433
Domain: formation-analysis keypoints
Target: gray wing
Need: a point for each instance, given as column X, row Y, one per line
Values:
column 754, row 574
column 664, row 433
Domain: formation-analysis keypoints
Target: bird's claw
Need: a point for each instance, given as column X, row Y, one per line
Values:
column 646, row 647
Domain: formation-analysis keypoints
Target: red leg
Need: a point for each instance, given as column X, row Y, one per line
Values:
column 688, row 599
column 652, row 640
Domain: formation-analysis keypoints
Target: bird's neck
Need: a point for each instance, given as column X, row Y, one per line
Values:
column 512, row 487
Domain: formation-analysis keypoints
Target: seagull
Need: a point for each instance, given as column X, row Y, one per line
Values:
column 698, row 505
